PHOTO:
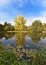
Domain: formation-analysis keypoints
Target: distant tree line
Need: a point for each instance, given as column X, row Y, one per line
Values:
column 6, row 27
column 20, row 22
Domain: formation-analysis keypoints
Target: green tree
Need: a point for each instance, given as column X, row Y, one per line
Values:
column 44, row 27
column 37, row 26
column 1, row 27
column 8, row 27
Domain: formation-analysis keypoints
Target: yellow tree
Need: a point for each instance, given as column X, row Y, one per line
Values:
column 19, row 23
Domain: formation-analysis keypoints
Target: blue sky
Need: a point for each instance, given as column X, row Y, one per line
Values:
column 30, row 9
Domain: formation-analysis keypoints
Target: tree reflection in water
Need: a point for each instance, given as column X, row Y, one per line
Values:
column 20, row 38
column 35, row 37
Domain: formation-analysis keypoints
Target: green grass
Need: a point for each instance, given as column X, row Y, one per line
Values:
column 9, row 58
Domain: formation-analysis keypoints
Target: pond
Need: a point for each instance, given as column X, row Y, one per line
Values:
column 22, row 43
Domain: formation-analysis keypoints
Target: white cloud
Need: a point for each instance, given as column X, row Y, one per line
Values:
column 5, row 2
column 38, row 2
column 41, row 17
column 21, row 3
column 43, row 13
column 5, row 17
column 32, row 19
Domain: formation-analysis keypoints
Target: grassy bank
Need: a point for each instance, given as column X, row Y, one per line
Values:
column 9, row 58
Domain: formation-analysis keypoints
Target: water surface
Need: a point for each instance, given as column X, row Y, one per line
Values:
column 22, row 43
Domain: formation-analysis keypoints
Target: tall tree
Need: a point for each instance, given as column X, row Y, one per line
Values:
column 19, row 23
column 37, row 26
